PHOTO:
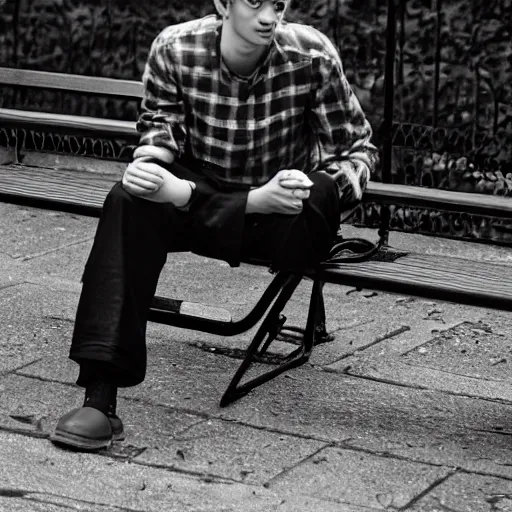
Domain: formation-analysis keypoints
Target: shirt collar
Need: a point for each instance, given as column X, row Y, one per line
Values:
column 260, row 71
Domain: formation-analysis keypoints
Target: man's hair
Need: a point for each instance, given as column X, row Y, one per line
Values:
column 222, row 6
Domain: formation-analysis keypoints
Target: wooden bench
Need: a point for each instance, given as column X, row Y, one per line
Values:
column 62, row 187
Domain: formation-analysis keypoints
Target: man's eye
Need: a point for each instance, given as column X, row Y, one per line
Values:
column 279, row 5
column 255, row 4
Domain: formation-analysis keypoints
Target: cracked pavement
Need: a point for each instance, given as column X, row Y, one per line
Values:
column 408, row 408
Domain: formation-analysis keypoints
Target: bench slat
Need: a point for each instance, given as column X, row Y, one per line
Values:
column 458, row 269
column 63, row 187
column 62, row 123
column 423, row 197
column 435, row 277
column 68, row 82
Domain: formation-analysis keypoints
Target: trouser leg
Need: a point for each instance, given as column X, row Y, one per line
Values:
column 119, row 282
column 130, row 248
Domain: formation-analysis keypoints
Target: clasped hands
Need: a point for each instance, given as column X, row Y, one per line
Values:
column 283, row 194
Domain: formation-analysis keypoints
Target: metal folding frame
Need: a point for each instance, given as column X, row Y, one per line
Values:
column 272, row 302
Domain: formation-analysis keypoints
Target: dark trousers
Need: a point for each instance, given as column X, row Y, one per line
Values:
column 133, row 239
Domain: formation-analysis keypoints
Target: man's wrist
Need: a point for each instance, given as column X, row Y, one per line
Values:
column 176, row 191
column 252, row 205
column 153, row 152
column 173, row 190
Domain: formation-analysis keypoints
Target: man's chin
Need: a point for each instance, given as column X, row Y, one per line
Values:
column 263, row 40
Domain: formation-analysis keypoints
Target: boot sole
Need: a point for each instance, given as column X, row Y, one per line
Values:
column 83, row 443
column 76, row 441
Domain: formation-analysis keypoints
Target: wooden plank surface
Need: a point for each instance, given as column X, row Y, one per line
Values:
column 440, row 278
column 62, row 123
column 62, row 186
column 68, row 82
column 423, row 197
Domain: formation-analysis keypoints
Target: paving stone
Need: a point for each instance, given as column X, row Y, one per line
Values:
column 28, row 231
column 470, row 359
column 7, row 281
column 428, row 378
column 35, row 322
column 184, row 384
column 30, row 465
column 359, row 478
column 468, row 493
column 482, row 350
column 471, row 450
column 228, row 450
column 10, row 274
column 354, row 337
column 364, row 321
column 67, row 263
column 20, row 505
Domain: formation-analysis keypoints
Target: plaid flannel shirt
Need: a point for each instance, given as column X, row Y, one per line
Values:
column 297, row 110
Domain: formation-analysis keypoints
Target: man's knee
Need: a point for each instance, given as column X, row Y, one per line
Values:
column 119, row 200
column 324, row 191
column 117, row 195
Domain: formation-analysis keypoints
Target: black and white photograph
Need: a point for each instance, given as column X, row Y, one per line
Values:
column 255, row 255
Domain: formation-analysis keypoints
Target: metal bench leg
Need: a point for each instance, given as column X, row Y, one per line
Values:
column 321, row 334
column 295, row 334
column 271, row 326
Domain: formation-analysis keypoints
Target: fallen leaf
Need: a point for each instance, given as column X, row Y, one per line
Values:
column 385, row 499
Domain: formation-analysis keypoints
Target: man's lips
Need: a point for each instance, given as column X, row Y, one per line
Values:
column 267, row 32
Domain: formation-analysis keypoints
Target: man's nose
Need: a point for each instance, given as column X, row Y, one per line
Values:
column 268, row 14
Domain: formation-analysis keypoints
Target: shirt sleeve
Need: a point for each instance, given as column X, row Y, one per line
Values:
column 162, row 120
column 342, row 130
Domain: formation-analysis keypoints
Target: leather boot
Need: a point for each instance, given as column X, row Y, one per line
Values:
column 87, row 428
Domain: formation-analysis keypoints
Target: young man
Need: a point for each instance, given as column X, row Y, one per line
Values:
column 252, row 142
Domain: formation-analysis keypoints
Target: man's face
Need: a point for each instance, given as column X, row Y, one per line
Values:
column 255, row 20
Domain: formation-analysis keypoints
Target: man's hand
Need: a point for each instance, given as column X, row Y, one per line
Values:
column 154, row 183
column 282, row 194
column 142, row 178
column 297, row 181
